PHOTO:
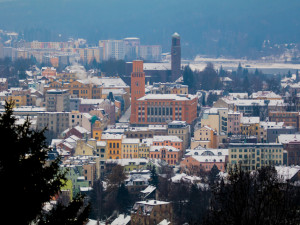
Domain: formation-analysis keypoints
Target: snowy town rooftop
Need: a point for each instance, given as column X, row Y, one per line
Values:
column 167, row 97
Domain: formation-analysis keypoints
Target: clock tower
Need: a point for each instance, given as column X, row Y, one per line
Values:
column 137, row 87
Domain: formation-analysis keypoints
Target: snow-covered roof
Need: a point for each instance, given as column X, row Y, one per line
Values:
column 126, row 162
column 174, row 97
column 214, row 110
column 268, row 125
column 287, row 172
column 213, row 152
column 159, row 148
column 119, row 91
column 156, row 66
column 265, row 94
column 157, row 127
column 184, row 177
column 130, row 141
column 225, row 79
column 251, row 102
column 287, row 138
column 107, row 136
column 148, row 189
column 250, row 120
column 166, row 138
column 114, row 131
column 106, row 82
column 95, row 222
column 209, row 158
column 55, row 142
column 81, row 130
column 101, row 143
column 121, row 220
column 85, row 189
column 91, row 101
column 164, row 222
column 147, row 141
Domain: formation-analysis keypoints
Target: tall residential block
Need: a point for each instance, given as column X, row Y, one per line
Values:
column 57, row 100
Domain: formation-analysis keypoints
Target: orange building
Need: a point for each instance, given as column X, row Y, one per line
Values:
column 137, row 87
column 54, row 61
column 114, row 145
column 158, row 108
column 167, row 153
column 49, row 72
column 193, row 164
column 172, row 141
column 164, row 108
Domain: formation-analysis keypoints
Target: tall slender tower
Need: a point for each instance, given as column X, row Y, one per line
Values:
column 137, row 87
column 175, row 57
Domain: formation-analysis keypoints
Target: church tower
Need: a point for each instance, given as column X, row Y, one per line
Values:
column 175, row 57
column 137, row 87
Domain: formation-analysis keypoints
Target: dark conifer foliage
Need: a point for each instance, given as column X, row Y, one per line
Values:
column 254, row 198
column 31, row 180
column 153, row 177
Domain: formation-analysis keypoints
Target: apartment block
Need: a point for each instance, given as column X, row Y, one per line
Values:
column 181, row 130
column 251, row 156
column 57, row 100
column 130, row 148
column 289, row 118
column 216, row 118
column 56, row 122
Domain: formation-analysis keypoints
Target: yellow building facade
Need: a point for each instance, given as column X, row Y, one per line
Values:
column 130, row 148
column 114, row 145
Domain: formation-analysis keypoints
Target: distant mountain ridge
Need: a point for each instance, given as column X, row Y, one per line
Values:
column 215, row 27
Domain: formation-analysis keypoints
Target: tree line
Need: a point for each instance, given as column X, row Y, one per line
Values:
column 243, row 80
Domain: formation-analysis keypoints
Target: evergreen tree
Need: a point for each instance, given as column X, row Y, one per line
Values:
column 246, row 84
column 188, row 77
column 153, row 177
column 212, row 176
column 198, row 201
column 111, row 96
column 239, row 70
column 32, row 180
column 254, row 198
column 123, row 199
column 97, row 199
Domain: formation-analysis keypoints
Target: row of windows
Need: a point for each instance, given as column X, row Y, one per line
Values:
column 113, row 145
column 253, row 156
column 154, row 156
column 253, row 150
column 159, row 111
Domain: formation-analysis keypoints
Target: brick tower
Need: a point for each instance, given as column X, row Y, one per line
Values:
column 137, row 88
column 175, row 57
